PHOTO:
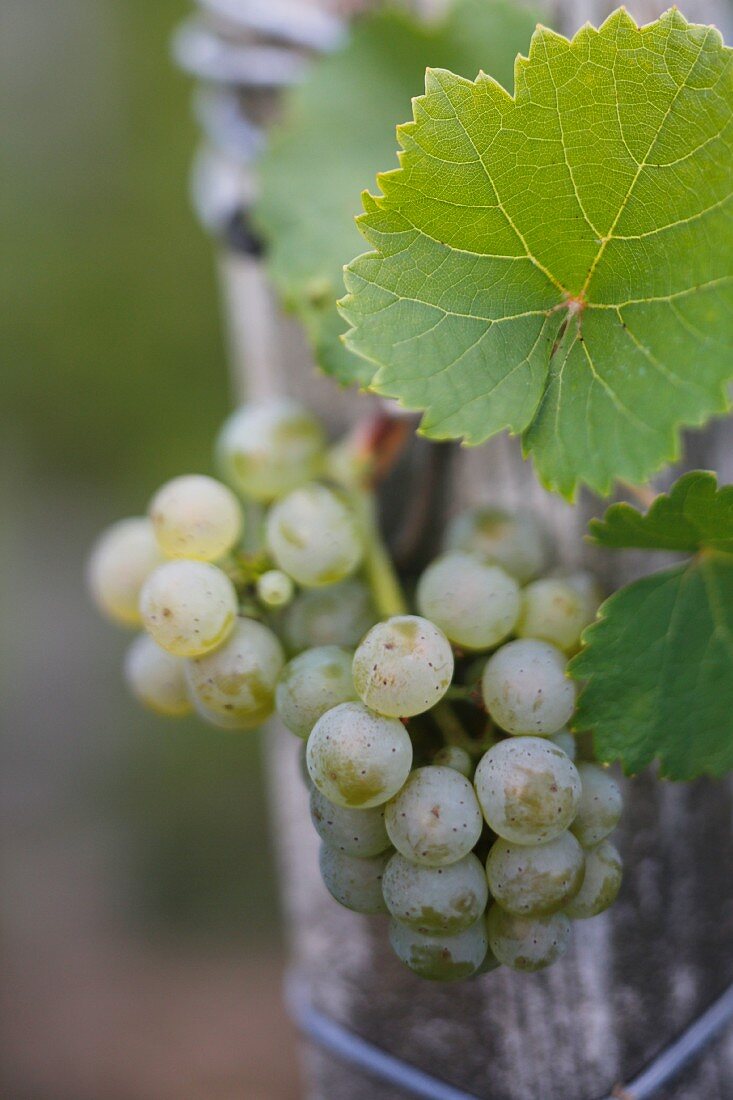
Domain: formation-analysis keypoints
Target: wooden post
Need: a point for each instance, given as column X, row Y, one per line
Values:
column 633, row 978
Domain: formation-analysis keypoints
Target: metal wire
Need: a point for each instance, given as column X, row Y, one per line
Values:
column 682, row 1051
column 351, row 1048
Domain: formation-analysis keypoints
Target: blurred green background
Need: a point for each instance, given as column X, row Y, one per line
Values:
column 139, row 904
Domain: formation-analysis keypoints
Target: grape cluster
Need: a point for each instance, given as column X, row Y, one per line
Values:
column 214, row 588
column 443, row 778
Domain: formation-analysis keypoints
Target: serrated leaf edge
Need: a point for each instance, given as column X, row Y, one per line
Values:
column 622, row 510
column 375, row 202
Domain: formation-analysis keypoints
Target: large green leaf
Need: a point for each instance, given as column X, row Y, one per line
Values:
column 659, row 666
column 694, row 515
column 339, row 126
column 560, row 263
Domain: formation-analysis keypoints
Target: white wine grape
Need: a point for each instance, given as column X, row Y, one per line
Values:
column 565, row 741
column 312, row 683
column 436, row 900
column 527, row 943
column 600, row 806
column 528, row 789
column 275, row 589
column 490, row 963
column 553, row 611
column 188, row 607
column 602, row 882
column 314, row 537
column 338, row 615
column 476, row 605
column 435, row 819
column 440, row 958
column 196, row 517
column 586, row 586
column 354, row 883
column 122, row 559
column 156, row 678
column 526, row 689
column 535, row 879
column 237, row 681
column 358, row 758
column 518, row 543
column 268, row 448
column 453, row 756
column 358, row 833
column 403, row 666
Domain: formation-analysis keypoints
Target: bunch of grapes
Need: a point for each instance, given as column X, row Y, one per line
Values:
column 443, row 778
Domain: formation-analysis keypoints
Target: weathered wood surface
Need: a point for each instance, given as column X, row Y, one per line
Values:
column 633, row 978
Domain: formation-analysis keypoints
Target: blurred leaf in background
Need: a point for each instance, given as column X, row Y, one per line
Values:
column 344, row 117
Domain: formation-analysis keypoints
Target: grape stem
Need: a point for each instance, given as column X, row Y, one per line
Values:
column 380, row 572
column 449, row 724
column 464, row 693
column 375, row 444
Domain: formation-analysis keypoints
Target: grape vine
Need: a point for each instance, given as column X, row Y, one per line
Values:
column 553, row 260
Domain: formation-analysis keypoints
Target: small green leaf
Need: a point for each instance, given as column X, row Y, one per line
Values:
column 339, row 126
column 560, row 263
column 659, row 671
column 694, row 515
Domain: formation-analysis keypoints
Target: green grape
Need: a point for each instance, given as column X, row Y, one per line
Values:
column 517, row 543
column 354, row 883
column 436, row 900
column 221, row 721
column 600, row 806
column 532, row 880
column 339, row 615
column 275, row 588
column 490, row 963
column 267, row 449
column 311, row 684
column 403, row 666
column 196, row 517
column 440, row 958
column 565, row 741
column 303, row 767
column 453, row 756
column 553, row 611
column 156, row 678
column 237, row 682
column 586, row 586
column 602, row 882
column 122, row 559
column 358, row 758
column 359, row 833
column 527, row 943
column 525, row 688
column 435, row 819
column 314, row 537
column 528, row 789
column 188, row 607
column 475, row 604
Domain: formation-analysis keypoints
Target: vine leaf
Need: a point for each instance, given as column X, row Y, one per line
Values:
column 658, row 663
column 695, row 515
column 339, row 125
column 560, row 263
